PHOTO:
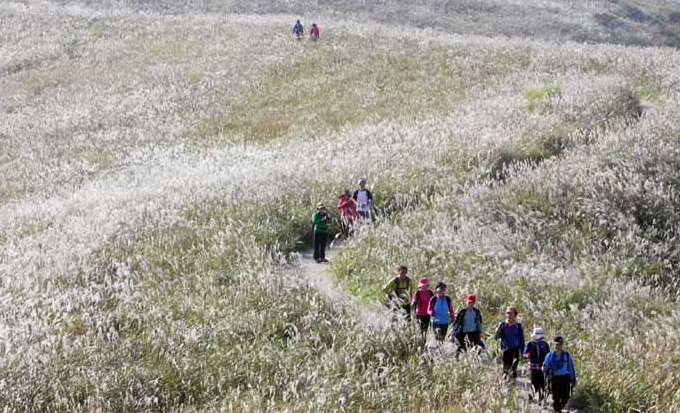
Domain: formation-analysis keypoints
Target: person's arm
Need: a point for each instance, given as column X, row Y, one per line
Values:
column 527, row 351
column 370, row 196
column 355, row 195
column 389, row 287
column 457, row 321
column 414, row 300
column 498, row 335
column 520, row 331
column 451, row 313
column 430, row 306
column 314, row 220
column 572, row 371
column 548, row 362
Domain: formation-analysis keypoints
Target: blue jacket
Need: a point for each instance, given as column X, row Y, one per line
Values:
column 510, row 336
column 562, row 366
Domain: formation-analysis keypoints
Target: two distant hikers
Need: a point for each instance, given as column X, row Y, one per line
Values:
column 299, row 31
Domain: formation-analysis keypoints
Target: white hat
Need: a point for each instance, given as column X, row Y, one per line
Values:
column 361, row 181
column 538, row 334
column 320, row 205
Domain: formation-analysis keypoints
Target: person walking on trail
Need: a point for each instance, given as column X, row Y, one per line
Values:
column 298, row 30
column 364, row 199
column 320, row 222
column 559, row 368
column 348, row 212
column 467, row 328
column 441, row 310
column 314, row 32
column 511, row 336
column 421, row 303
column 399, row 291
column 536, row 351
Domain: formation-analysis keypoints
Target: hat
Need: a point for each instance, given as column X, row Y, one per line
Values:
column 558, row 340
column 423, row 282
column 361, row 181
column 538, row 334
column 441, row 285
column 471, row 298
column 320, row 205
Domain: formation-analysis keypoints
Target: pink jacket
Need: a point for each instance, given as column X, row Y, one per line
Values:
column 421, row 301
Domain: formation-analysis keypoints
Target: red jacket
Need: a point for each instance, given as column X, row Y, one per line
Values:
column 348, row 209
column 315, row 31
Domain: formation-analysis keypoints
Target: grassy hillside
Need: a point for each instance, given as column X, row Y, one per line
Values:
column 158, row 170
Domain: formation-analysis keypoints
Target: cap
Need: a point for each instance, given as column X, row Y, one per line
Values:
column 471, row 298
column 558, row 340
column 441, row 285
column 423, row 282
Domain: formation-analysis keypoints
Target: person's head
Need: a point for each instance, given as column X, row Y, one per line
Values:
column 424, row 284
column 402, row 270
column 298, row 21
column 346, row 194
column 313, row 24
column 511, row 313
column 470, row 300
column 441, row 288
column 362, row 183
column 320, row 207
column 538, row 334
column 558, row 343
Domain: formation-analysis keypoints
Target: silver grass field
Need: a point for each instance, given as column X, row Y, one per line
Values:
column 160, row 162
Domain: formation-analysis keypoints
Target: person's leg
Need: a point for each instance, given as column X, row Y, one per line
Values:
column 538, row 380
column 440, row 331
column 323, row 240
column 462, row 345
column 315, row 242
column 515, row 362
column 507, row 362
column 560, row 391
column 407, row 311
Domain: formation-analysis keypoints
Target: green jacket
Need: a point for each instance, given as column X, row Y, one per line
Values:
column 400, row 290
column 320, row 222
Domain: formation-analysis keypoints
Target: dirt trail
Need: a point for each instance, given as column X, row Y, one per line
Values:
column 319, row 277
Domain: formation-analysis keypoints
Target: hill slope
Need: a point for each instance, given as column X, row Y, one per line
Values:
column 160, row 169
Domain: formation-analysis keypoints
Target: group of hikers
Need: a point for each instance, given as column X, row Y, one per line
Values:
column 354, row 208
column 551, row 371
column 299, row 31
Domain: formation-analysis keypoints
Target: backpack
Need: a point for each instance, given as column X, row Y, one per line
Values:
column 433, row 300
column 417, row 296
column 398, row 291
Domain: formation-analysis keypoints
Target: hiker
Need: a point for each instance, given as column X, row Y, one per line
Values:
column 320, row 221
column 467, row 328
column 298, row 30
column 559, row 368
column 314, row 32
column 441, row 310
column 421, row 303
column 364, row 199
column 348, row 212
column 511, row 335
column 399, row 291
column 536, row 351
